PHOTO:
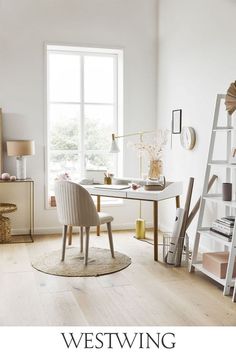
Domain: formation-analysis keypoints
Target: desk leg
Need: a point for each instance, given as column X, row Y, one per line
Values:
column 155, row 229
column 98, row 209
column 70, row 236
column 32, row 210
column 177, row 201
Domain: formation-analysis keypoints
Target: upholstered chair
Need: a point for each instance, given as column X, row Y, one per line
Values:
column 75, row 207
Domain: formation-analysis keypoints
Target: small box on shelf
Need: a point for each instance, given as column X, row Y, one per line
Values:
column 216, row 263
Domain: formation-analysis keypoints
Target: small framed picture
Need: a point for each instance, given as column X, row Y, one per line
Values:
column 176, row 121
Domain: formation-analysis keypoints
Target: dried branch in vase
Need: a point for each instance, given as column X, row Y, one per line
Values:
column 152, row 150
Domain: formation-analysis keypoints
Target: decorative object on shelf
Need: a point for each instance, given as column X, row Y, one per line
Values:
column 188, row 138
column 20, row 149
column 216, row 263
column 5, row 176
column 230, row 99
column 227, row 192
column 1, row 150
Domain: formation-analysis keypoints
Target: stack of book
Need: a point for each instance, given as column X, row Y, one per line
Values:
column 224, row 226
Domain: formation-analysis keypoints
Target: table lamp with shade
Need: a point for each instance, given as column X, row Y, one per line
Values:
column 20, row 149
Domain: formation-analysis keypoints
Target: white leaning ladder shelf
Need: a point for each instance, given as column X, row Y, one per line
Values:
column 228, row 282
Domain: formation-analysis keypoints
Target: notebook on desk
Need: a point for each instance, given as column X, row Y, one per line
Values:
column 112, row 186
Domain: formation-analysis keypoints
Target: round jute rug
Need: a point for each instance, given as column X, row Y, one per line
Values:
column 100, row 262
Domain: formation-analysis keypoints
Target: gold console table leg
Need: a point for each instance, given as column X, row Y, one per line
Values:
column 98, row 209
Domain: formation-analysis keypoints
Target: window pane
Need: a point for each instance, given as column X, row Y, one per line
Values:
column 98, row 79
column 100, row 161
column 63, row 162
column 64, row 126
column 99, row 125
column 64, row 77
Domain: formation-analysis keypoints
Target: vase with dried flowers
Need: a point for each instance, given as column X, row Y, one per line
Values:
column 154, row 152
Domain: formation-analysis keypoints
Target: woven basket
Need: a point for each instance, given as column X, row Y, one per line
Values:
column 5, row 223
column 5, row 229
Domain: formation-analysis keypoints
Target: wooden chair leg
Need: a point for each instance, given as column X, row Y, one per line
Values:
column 81, row 239
column 70, row 236
column 110, row 239
column 86, row 245
column 64, row 242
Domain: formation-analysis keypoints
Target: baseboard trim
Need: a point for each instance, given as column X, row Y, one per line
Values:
column 58, row 229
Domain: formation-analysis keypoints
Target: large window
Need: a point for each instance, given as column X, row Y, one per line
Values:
column 84, row 107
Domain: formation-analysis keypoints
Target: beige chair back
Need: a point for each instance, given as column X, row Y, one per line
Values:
column 75, row 205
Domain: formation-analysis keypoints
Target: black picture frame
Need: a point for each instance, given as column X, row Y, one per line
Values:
column 176, row 124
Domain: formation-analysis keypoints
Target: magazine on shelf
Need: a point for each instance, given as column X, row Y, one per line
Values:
column 225, row 229
column 227, row 237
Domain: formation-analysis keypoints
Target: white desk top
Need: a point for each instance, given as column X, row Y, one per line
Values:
column 172, row 190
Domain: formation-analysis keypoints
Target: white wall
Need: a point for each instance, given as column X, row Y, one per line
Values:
column 24, row 27
column 196, row 60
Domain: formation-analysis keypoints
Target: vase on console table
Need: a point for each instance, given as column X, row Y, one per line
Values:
column 155, row 169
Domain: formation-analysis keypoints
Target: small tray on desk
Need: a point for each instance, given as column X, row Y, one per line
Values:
column 154, row 187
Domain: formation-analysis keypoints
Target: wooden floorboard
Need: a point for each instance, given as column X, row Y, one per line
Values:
column 144, row 294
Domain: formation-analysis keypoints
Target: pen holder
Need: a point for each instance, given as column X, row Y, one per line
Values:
column 107, row 180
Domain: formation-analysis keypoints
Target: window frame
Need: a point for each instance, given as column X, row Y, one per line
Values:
column 118, row 55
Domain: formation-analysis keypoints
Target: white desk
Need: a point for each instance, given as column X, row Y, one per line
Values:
column 172, row 190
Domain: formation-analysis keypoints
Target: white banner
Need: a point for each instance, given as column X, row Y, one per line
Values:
column 181, row 340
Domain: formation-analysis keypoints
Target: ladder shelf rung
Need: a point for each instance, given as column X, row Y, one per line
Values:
column 200, row 267
column 223, row 129
column 222, row 163
column 215, row 236
column 217, row 198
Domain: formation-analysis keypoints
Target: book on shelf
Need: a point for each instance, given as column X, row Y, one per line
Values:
column 227, row 237
column 222, row 228
column 226, row 221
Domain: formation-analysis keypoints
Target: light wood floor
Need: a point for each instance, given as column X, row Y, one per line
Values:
column 146, row 293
